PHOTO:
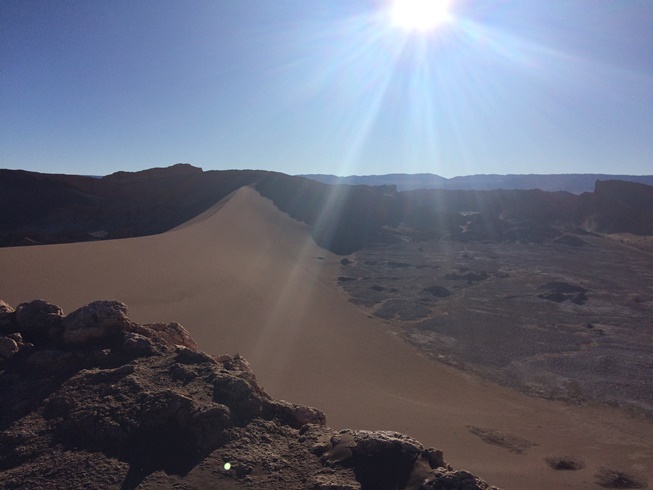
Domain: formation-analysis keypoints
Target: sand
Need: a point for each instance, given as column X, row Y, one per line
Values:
column 244, row 277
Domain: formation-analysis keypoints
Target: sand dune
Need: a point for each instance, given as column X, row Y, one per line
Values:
column 243, row 277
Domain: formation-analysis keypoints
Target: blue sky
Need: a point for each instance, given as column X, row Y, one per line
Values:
column 330, row 86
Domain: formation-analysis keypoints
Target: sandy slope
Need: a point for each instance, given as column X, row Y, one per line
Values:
column 243, row 277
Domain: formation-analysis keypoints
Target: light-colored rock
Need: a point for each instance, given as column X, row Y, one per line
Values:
column 96, row 321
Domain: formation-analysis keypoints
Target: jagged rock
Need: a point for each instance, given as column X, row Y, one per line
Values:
column 7, row 319
column 95, row 321
column 297, row 416
column 38, row 320
column 173, row 334
column 388, row 460
column 8, row 348
column 116, row 403
column 52, row 360
column 138, row 345
column 455, row 480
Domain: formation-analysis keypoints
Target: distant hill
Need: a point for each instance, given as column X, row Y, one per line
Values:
column 574, row 183
column 45, row 208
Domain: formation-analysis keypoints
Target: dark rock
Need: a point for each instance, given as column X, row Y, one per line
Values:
column 7, row 319
column 39, row 320
column 8, row 348
column 467, row 276
column 580, row 299
column 111, row 408
column 566, row 463
column 562, row 287
column 137, row 345
column 554, row 296
column 570, row 240
column 613, row 478
column 438, row 291
column 562, row 291
column 53, row 360
column 95, row 322
column 389, row 460
column 189, row 356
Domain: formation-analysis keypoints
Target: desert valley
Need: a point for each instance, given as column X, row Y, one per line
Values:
column 510, row 329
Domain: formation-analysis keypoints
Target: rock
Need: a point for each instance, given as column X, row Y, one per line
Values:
column 459, row 480
column 95, row 322
column 173, row 334
column 7, row 319
column 468, row 276
column 297, row 416
column 562, row 291
column 8, row 348
column 554, row 296
column 115, row 405
column 189, row 356
column 570, row 240
column 52, row 360
column 438, row 291
column 137, row 345
column 562, row 287
column 369, row 453
column 39, row 320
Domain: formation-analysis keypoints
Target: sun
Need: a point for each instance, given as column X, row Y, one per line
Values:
column 420, row 15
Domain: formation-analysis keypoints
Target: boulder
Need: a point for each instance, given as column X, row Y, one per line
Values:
column 8, row 348
column 39, row 320
column 95, row 322
column 7, row 318
column 387, row 460
column 172, row 334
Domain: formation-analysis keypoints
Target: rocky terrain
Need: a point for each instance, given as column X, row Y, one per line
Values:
column 569, row 318
column 575, row 183
column 93, row 400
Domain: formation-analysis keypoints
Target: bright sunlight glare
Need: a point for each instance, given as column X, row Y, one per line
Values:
column 420, row 15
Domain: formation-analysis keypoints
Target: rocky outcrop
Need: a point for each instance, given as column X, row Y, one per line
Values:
column 95, row 400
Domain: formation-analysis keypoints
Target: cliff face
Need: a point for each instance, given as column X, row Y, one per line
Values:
column 94, row 400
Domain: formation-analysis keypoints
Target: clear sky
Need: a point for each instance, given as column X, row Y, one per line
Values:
column 326, row 86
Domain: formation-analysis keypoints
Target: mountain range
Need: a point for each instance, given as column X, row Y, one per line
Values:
column 53, row 208
column 575, row 183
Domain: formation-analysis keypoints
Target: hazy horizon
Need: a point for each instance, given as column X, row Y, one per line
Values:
column 308, row 87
